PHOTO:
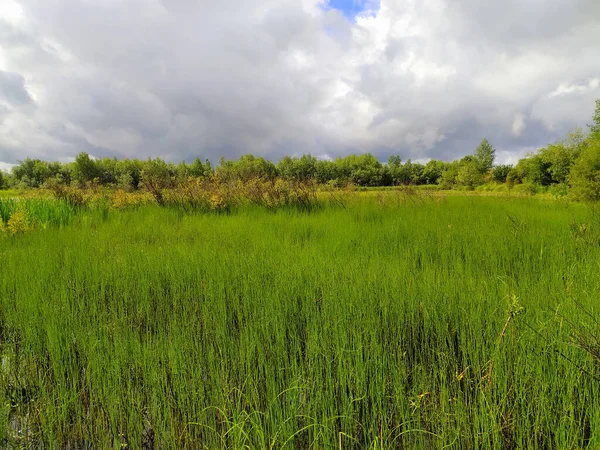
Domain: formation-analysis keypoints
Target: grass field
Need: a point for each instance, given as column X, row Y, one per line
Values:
column 379, row 323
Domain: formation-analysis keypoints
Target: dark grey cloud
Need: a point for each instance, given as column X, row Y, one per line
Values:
column 12, row 89
column 186, row 78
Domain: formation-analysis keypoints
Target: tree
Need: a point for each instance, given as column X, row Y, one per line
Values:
column 558, row 160
column 85, row 169
column 245, row 168
column 366, row 170
column 469, row 173
column 402, row 173
column 394, row 161
column 432, row 173
column 532, row 169
column 416, row 173
column 394, row 167
column 35, row 172
column 129, row 173
column 303, row 168
column 208, row 168
column 182, row 172
column 196, row 169
column 363, row 170
column 449, row 175
column 326, row 171
column 405, row 174
column 484, row 156
column 585, row 173
column 595, row 127
column 306, row 167
column 501, row 172
column 156, row 176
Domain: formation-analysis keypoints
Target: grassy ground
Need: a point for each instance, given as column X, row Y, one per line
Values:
column 382, row 322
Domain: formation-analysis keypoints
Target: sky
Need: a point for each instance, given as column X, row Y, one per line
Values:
column 182, row 79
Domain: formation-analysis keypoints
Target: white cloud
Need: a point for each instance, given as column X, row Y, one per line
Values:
column 518, row 125
column 11, row 11
column 512, row 157
column 184, row 78
column 6, row 167
column 566, row 88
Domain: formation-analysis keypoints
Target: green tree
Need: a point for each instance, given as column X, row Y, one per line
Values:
column 557, row 160
column 107, row 170
column 245, row 168
column 469, row 173
column 9, row 180
column 156, row 176
column 23, row 171
column 326, row 172
column 449, row 175
column 285, row 167
column 182, row 172
column 484, row 156
column 363, row 170
column 34, row 172
column 303, row 168
column 394, row 167
column 366, row 170
column 59, row 172
column 416, row 175
column 407, row 173
column 208, row 168
column 585, row 173
column 394, row 161
column 501, row 172
column 432, row 172
column 196, row 169
column 85, row 169
column 595, row 127
column 129, row 173
column 532, row 169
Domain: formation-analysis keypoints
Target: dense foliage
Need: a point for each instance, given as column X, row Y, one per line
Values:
column 549, row 168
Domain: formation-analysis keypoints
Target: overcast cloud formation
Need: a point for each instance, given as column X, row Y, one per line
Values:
column 186, row 78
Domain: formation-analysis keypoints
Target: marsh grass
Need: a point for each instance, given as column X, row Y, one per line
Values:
column 38, row 212
column 371, row 322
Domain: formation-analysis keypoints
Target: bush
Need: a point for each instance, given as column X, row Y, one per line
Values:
column 585, row 173
column 527, row 188
column 492, row 187
column 19, row 222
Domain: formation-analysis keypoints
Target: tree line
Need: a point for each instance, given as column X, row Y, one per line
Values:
column 571, row 164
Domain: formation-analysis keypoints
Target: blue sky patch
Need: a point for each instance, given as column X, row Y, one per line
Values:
column 352, row 8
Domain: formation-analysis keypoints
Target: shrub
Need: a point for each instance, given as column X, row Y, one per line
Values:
column 19, row 222
column 585, row 173
column 527, row 188
column 74, row 196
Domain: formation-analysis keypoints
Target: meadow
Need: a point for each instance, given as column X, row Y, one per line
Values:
column 379, row 321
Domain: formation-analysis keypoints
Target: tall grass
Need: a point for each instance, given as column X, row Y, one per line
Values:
column 41, row 211
column 390, row 322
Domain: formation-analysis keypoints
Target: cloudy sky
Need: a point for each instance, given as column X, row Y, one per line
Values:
column 186, row 78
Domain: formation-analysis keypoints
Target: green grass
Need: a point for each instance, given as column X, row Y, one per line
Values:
column 42, row 212
column 377, row 325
